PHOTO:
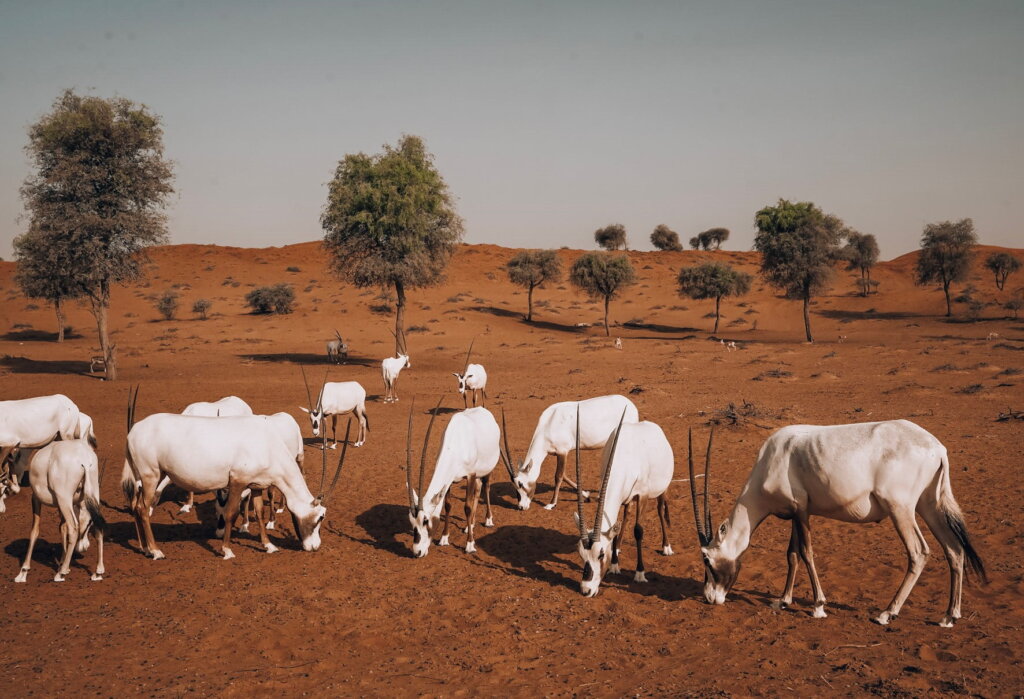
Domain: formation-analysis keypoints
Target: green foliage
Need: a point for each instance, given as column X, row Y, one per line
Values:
column 861, row 253
column 713, row 280
column 710, row 239
column 664, row 238
column 946, row 253
column 611, row 237
column 1014, row 305
column 202, row 307
column 602, row 276
column 167, row 304
column 279, row 298
column 1002, row 264
column 533, row 268
column 45, row 267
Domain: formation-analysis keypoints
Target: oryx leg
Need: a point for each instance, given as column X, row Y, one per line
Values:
column 97, row 532
column 792, row 553
column 230, row 515
column 271, row 507
column 69, row 533
column 666, row 522
column 143, row 505
column 472, row 497
column 334, row 431
column 807, row 554
column 361, row 414
column 917, row 554
column 613, row 565
column 638, row 534
column 443, row 541
column 486, row 483
column 954, row 551
column 187, row 507
column 465, row 400
column 32, row 536
column 559, row 477
column 257, row 507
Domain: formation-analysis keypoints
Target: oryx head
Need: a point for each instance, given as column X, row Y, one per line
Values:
column 307, row 527
column 595, row 544
column 518, row 472
column 423, row 515
column 721, row 567
column 316, row 412
column 401, row 348
column 465, row 369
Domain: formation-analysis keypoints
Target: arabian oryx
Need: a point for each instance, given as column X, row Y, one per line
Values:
column 472, row 379
column 637, row 466
column 555, row 434
column 855, row 473
column 337, row 398
column 203, row 454
column 65, row 475
column 30, row 423
column 390, row 368
column 337, row 350
column 469, row 450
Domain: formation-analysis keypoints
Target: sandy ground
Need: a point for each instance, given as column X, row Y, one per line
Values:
column 361, row 616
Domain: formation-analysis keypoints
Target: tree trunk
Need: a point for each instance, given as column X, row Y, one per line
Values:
column 863, row 281
column 807, row 316
column 400, row 347
column 58, row 306
column 718, row 301
column 607, row 300
column 100, row 304
column 949, row 304
column 529, row 305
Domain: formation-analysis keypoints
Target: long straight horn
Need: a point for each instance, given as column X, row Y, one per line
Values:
column 701, row 537
column 323, row 385
column 341, row 462
column 338, row 335
column 468, row 355
column 604, row 484
column 423, row 454
column 133, row 399
column 309, row 397
column 506, row 455
column 708, row 524
column 408, row 459
column 323, row 463
column 579, row 479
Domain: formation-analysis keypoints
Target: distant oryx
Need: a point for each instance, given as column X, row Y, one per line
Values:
column 556, row 434
column 337, row 398
column 390, row 368
column 337, row 349
column 856, row 473
column 473, row 379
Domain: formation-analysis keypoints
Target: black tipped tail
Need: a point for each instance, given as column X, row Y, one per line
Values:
column 99, row 522
column 959, row 529
column 92, row 441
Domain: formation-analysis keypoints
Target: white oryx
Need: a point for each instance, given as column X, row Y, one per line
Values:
column 637, row 466
column 203, row 454
column 390, row 367
column 556, row 434
column 86, row 430
column 855, row 473
column 29, row 423
column 469, row 450
column 65, row 475
column 337, row 350
column 229, row 406
column 472, row 379
column 337, row 398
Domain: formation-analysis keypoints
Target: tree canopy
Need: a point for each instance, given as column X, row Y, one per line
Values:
column 947, row 249
column 861, row 253
column 1002, row 264
column 798, row 243
column 711, row 237
column 390, row 221
column 532, row 268
column 98, row 192
column 713, row 280
column 46, row 271
column 664, row 238
column 602, row 276
column 611, row 237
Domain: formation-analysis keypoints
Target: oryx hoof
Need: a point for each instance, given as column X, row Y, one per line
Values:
column 218, row 533
column 489, row 522
column 884, row 618
column 550, row 506
column 22, row 576
column 96, row 577
column 443, row 541
column 271, row 548
column 185, row 508
column 667, row 551
column 947, row 622
column 279, row 510
column 780, row 604
column 59, row 577
column 270, row 525
column 819, row 612
column 157, row 555
column 639, row 577
column 586, row 495
column 614, row 568
column 244, row 527
column 334, row 446
column 470, row 547
column 358, row 444
column 228, row 554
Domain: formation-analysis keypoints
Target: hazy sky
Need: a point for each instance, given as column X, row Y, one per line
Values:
column 551, row 119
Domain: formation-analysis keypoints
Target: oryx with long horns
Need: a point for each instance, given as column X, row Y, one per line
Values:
column 637, row 465
column 856, row 473
column 470, row 449
column 337, row 398
column 337, row 350
column 473, row 379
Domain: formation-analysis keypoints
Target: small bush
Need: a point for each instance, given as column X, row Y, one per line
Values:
column 167, row 304
column 201, row 307
column 293, row 269
column 279, row 299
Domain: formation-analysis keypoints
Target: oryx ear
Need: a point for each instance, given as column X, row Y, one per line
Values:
column 436, row 499
column 614, row 531
column 723, row 529
column 525, row 466
column 456, row 375
column 305, row 410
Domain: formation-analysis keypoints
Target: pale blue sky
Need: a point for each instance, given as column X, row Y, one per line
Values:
column 551, row 119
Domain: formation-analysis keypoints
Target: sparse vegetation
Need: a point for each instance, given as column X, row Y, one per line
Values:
column 1014, row 305
column 202, row 307
column 531, row 269
column 1002, row 264
column 602, row 276
column 278, row 299
column 46, row 272
column 861, row 253
column 946, row 252
column 167, row 304
column 713, row 280
column 711, row 237
column 664, row 238
column 612, row 237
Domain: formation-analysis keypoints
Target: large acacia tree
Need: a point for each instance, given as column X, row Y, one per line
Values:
column 713, row 280
column 45, row 271
column 798, row 243
column 861, row 253
column 532, row 268
column 390, row 221
column 602, row 276
column 97, row 195
column 946, row 252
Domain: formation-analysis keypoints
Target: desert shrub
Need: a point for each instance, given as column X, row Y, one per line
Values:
column 664, row 238
column 293, row 269
column 201, row 307
column 611, row 237
column 1014, row 305
column 279, row 298
column 167, row 304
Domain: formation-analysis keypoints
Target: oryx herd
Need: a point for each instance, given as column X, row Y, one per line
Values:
column 854, row 473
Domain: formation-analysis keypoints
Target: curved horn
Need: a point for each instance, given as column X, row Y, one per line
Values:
column 309, row 397
column 579, row 478
column 408, row 459
column 506, row 455
column 423, row 454
column 701, row 536
column 341, row 462
column 604, row 484
column 708, row 524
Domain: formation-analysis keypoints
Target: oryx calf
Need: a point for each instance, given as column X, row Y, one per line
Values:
column 390, row 368
column 65, row 475
column 856, row 473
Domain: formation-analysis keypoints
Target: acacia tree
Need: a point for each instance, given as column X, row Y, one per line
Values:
column 611, row 237
column 602, row 276
column 97, row 195
column 1002, row 264
column 861, row 253
column 712, row 236
column 664, row 238
column 798, row 243
column 532, row 268
column 44, row 272
column 946, row 252
column 390, row 221
column 713, row 280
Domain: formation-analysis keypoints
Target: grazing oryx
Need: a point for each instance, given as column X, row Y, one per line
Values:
column 390, row 368
column 229, row 406
column 202, row 454
column 469, row 450
column 31, row 423
column 337, row 350
column 856, row 473
column 555, row 434
column 65, row 475
column 337, row 398
column 637, row 467
column 473, row 378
